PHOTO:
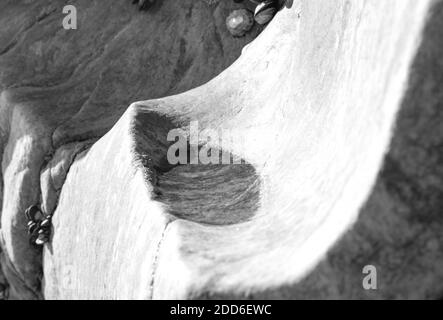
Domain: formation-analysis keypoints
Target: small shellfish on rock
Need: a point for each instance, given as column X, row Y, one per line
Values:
column 32, row 226
column 265, row 11
column 239, row 22
column 42, row 239
column 33, row 213
column 39, row 226
column 46, row 223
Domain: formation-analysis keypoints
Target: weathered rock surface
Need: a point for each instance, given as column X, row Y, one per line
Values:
column 68, row 86
column 339, row 107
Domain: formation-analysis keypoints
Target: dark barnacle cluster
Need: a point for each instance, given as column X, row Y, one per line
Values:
column 144, row 4
column 39, row 226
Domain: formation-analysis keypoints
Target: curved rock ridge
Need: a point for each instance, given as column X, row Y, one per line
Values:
column 61, row 90
column 338, row 105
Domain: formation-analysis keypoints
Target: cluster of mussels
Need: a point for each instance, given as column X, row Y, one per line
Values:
column 39, row 226
column 239, row 22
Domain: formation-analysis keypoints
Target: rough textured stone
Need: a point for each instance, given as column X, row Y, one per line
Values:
column 322, row 118
column 60, row 86
column 338, row 104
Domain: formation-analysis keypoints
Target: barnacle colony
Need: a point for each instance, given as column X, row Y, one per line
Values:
column 239, row 22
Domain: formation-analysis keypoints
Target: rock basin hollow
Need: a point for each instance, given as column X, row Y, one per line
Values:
column 210, row 194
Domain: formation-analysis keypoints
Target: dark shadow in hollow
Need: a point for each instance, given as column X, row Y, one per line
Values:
column 210, row 194
column 216, row 194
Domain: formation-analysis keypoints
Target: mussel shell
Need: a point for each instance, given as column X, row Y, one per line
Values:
column 46, row 231
column 41, row 240
column 33, row 213
column 265, row 11
column 45, row 223
column 32, row 227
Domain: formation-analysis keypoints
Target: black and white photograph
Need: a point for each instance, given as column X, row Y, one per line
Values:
column 249, row 151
